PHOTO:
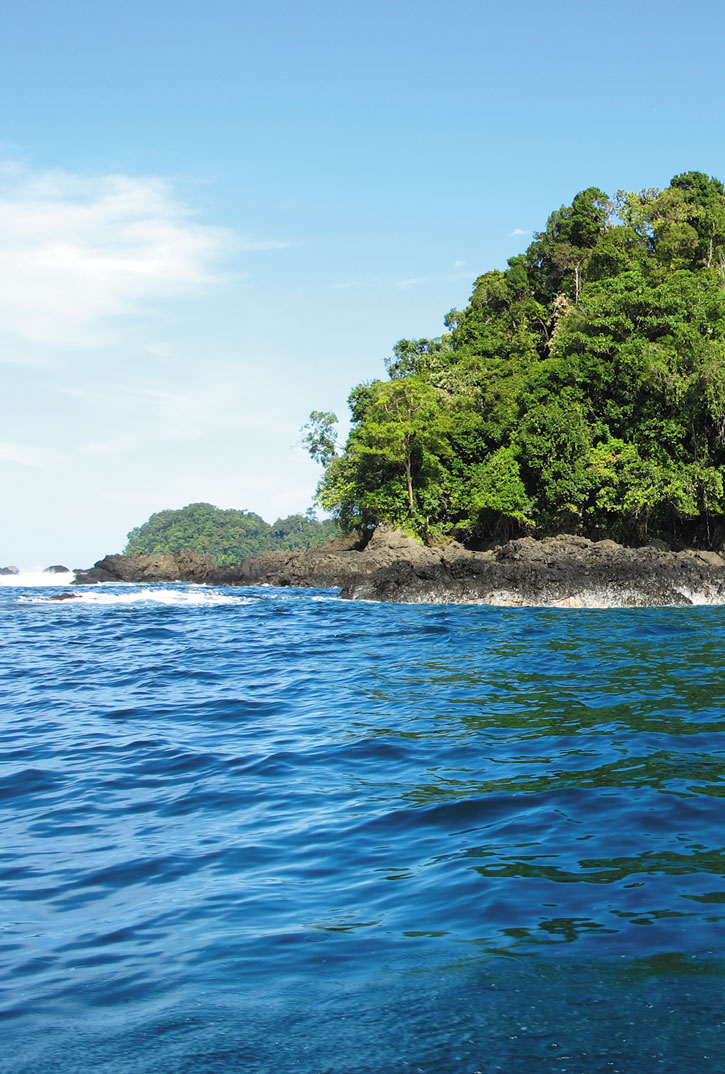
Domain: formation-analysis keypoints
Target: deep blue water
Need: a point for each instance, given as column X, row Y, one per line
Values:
column 271, row 831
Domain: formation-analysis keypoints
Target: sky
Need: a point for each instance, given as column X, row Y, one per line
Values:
column 218, row 216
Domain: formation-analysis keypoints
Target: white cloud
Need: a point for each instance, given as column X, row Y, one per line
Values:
column 414, row 281
column 149, row 409
column 23, row 455
column 77, row 250
column 117, row 445
column 253, row 245
column 519, row 231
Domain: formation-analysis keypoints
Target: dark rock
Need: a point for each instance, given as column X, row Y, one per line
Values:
column 561, row 571
column 328, row 565
column 349, row 542
column 712, row 559
column 9, row 570
column 564, row 571
column 56, row 569
column 66, row 596
column 184, row 566
column 92, row 576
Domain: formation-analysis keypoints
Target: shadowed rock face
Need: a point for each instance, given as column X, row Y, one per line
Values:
column 334, row 564
column 563, row 571
column 559, row 571
column 157, row 567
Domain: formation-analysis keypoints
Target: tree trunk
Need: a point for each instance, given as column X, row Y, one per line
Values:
column 409, row 480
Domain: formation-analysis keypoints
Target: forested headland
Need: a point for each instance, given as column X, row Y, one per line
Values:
column 581, row 390
column 228, row 536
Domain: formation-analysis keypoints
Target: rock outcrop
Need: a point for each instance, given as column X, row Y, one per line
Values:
column 334, row 564
column 182, row 566
column 563, row 571
column 558, row 571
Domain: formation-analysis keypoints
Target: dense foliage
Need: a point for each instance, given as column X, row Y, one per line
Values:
column 228, row 536
column 582, row 389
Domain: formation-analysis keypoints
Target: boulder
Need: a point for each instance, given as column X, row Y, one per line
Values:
column 9, row 570
column 184, row 566
column 92, row 576
column 711, row 559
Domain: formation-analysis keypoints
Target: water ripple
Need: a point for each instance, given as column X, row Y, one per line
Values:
column 268, row 829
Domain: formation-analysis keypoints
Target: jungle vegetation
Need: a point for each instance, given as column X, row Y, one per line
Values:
column 581, row 390
column 226, row 535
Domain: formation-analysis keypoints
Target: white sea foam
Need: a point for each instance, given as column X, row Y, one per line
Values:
column 182, row 598
column 32, row 579
column 602, row 599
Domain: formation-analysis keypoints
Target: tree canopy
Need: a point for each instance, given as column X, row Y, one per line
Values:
column 582, row 388
column 226, row 535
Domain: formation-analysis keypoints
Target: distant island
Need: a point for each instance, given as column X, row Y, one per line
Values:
column 226, row 536
column 563, row 443
column 581, row 390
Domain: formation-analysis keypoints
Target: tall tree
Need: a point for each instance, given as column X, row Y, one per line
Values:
column 583, row 386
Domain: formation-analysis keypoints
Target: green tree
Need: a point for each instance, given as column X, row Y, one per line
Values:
column 321, row 436
column 228, row 536
column 582, row 387
column 493, row 498
column 400, row 434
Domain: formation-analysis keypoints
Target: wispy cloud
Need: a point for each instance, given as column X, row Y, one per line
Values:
column 23, row 455
column 248, row 245
column 77, row 250
column 460, row 271
column 414, row 281
column 150, row 409
column 162, row 412
column 115, row 446
column 519, row 231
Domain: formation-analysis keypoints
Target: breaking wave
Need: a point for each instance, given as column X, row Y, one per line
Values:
column 36, row 578
column 188, row 597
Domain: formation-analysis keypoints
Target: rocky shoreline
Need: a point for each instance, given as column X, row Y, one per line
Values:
column 562, row 571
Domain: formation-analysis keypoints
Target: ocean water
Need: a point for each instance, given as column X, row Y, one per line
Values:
column 268, row 830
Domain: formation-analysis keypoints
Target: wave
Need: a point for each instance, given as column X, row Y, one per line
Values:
column 33, row 579
column 483, row 838
column 183, row 598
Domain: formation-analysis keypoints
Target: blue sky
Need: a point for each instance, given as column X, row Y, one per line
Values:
column 215, row 217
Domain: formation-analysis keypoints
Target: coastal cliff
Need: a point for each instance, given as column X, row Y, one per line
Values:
column 562, row 571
